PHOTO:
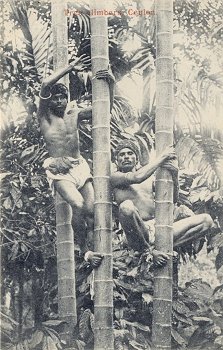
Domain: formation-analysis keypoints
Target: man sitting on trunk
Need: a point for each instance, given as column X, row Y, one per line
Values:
column 134, row 193
column 67, row 171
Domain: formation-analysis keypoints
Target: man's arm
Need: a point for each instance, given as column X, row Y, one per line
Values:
column 45, row 89
column 52, row 79
column 76, row 65
column 124, row 179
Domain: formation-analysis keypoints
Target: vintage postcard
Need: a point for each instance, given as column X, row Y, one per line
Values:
column 111, row 174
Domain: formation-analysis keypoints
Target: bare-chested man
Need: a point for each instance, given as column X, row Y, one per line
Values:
column 67, row 171
column 134, row 193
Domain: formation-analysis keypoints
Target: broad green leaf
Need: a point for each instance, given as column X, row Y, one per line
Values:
column 25, row 345
column 139, row 326
column 4, row 175
column 202, row 320
column 133, row 272
column 24, row 247
column 219, row 340
column 32, row 232
column 54, row 323
column 14, row 251
column 198, row 290
column 177, row 337
column 49, row 344
column 135, row 345
column 181, row 308
column 15, row 193
column 19, row 203
column 7, row 204
column 28, row 154
column 36, row 339
column 6, row 325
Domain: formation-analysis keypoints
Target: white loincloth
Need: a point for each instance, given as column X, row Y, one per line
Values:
column 78, row 173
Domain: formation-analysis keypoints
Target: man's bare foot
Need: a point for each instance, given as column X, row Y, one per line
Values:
column 94, row 258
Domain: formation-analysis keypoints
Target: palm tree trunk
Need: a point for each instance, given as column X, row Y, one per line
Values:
column 20, row 276
column 162, row 304
column 37, row 295
column 65, row 236
column 103, row 282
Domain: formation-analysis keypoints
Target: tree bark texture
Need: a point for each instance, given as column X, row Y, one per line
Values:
column 65, row 236
column 162, row 304
column 103, row 281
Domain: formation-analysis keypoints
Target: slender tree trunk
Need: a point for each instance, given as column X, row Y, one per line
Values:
column 218, row 132
column 103, row 282
column 65, row 237
column 37, row 296
column 20, row 276
column 162, row 304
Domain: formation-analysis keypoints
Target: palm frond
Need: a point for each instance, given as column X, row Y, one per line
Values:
column 205, row 81
column 37, row 38
column 123, row 113
column 199, row 96
column 205, row 157
column 79, row 18
column 145, row 26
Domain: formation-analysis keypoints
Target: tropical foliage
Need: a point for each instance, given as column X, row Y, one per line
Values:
column 29, row 276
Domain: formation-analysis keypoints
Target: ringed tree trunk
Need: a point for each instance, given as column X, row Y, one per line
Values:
column 65, row 236
column 162, row 304
column 20, row 278
column 103, row 280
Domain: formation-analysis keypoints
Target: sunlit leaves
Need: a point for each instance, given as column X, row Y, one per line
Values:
column 45, row 339
column 7, row 204
column 205, row 157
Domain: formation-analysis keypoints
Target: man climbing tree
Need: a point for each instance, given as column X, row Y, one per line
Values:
column 67, row 171
column 133, row 188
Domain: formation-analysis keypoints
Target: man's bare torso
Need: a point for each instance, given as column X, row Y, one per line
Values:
column 61, row 134
column 141, row 195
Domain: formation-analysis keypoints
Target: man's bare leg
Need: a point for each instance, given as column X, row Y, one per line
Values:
column 82, row 205
column 137, row 233
column 87, row 193
column 69, row 192
column 193, row 227
column 135, row 230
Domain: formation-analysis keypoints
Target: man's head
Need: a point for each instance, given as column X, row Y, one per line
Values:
column 59, row 99
column 127, row 155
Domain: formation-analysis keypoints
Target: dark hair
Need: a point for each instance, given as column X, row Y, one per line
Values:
column 59, row 88
column 127, row 144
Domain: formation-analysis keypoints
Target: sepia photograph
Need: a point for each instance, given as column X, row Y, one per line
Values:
column 111, row 175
